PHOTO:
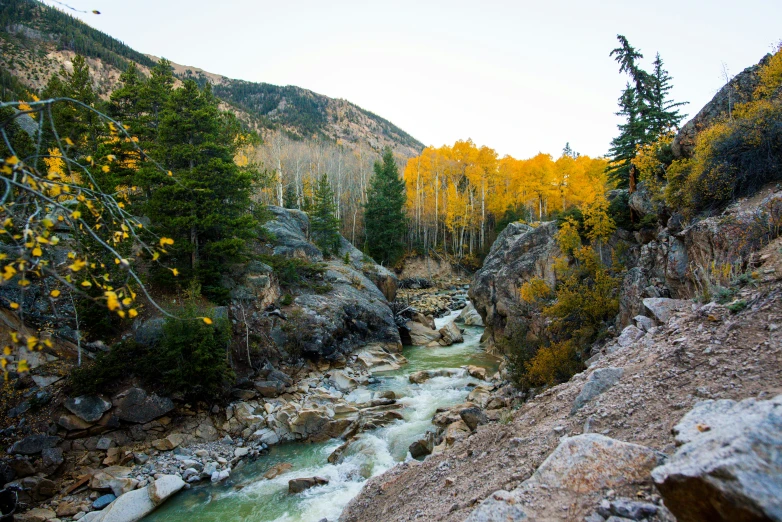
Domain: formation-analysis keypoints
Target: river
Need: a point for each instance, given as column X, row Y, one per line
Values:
column 248, row 497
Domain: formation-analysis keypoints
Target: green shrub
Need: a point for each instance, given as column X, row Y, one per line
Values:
column 723, row 295
column 192, row 355
column 619, row 211
column 124, row 359
column 737, row 306
column 293, row 271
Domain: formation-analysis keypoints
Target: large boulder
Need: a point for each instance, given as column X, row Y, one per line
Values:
column 89, row 408
column 579, row 466
column 663, row 309
column 450, row 334
column 33, row 444
column 520, row 253
column 730, row 464
column 135, row 405
column 351, row 310
column 383, row 278
column 135, row 505
column 421, row 335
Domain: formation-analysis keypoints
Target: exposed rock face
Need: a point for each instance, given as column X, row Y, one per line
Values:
column 353, row 312
column 383, row 278
column 291, row 230
column 738, row 90
column 730, row 466
column 520, row 253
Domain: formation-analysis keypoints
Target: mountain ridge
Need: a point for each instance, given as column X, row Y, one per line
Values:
column 36, row 40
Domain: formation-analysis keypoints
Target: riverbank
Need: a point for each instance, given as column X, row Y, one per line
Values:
column 248, row 496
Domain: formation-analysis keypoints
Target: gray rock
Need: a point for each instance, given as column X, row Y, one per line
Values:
column 34, row 444
column 498, row 507
column 629, row 335
column 291, row 229
column 421, row 334
column 300, row 484
column 89, row 408
column 469, row 316
column 730, row 466
column 51, row 458
column 135, row 505
column 269, row 388
column 592, row 462
column 150, row 332
column 103, row 501
column 450, row 334
column 643, row 322
column 473, row 417
column 631, row 509
column 134, row 405
column 663, row 308
column 599, row 381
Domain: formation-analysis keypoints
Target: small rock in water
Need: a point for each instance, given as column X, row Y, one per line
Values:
column 300, row 484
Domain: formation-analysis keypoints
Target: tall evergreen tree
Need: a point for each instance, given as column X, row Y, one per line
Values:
column 385, row 217
column 205, row 205
column 325, row 224
column 72, row 121
column 664, row 114
column 646, row 108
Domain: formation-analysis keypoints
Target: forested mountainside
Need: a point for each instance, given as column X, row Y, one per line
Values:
column 36, row 40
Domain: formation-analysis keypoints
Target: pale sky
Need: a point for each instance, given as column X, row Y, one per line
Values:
column 520, row 77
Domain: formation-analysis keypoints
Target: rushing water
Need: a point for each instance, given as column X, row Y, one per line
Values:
column 248, row 497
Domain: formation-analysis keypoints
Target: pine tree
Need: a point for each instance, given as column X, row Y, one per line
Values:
column 648, row 112
column 205, row 205
column 324, row 222
column 72, row 121
column 384, row 217
column 664, row 114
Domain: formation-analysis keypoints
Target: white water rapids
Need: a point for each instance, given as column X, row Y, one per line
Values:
column 248, row 497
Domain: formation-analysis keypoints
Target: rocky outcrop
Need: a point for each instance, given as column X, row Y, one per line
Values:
column 580, row 465
column 738, row 90
column 520, row 253
column 730, row 464
column 679, row 263
column 350, row 312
